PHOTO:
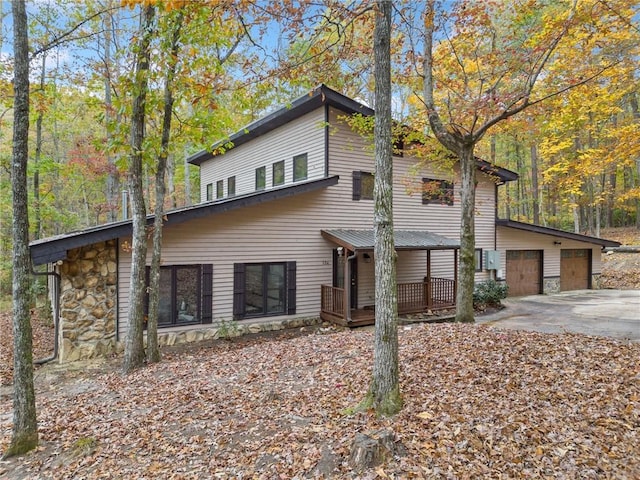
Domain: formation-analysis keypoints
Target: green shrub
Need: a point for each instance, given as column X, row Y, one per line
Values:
column 489, row 293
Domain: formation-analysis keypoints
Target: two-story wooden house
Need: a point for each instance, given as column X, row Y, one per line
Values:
column 283, row 236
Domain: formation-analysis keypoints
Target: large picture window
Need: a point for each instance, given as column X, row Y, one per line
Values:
column 362, row 185
column 439, row 192
column 264, row 289
column 185, row 295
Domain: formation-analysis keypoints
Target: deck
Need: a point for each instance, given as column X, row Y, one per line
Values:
column 417, row 297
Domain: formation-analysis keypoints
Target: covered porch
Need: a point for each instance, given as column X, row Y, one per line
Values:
column 427, row 293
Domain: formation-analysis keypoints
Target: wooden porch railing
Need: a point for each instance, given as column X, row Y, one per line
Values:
column 414, row 297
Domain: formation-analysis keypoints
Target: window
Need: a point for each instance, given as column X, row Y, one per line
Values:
column 264, row 289
column 478, row 259
column 231, row 186
column 362, row 185
column 209, row 191
column 278, row 173
column 219, row 189
column 261, row 178
column 185, row 295
column 300, row 167
column 438, row 192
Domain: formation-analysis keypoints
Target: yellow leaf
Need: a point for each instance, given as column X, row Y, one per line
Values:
column 425, row 415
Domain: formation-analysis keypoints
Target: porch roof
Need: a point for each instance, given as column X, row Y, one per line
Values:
column 404, row 239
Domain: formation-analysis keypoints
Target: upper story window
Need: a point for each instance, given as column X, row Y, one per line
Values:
column 300, row 167
column 261, row 178
column 363, row 185
column 209, row 191
column 219, row 189
column 231, row 186
column 439, row 192
column 478, row 259
column 278, row 173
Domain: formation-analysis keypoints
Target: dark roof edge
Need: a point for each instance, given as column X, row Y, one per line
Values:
column 317, row 97
column 52, row 249
column 529, row 227
column 493, row 170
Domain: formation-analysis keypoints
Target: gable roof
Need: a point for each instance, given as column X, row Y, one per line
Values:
column 319, row 96
column 52, row 249
column 403, row 239
column 528, row 227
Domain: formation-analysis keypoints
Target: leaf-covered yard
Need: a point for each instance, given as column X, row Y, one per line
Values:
column 479, row 402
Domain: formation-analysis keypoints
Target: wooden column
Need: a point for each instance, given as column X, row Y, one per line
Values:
column 429, row 292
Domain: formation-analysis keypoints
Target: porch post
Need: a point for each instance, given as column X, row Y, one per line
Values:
column 346, row 306
column 455, row 275
column 428, row 282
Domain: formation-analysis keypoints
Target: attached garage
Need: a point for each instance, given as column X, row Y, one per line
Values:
column 524, row 272
column 575, row 269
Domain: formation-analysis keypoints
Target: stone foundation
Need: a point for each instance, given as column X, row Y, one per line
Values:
column 595, row 281
column 551, row 285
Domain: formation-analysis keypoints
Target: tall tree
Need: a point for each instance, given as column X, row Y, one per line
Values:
column 384, row 391
column 487, row 71
column 25, row 425
column 153, row 352
column 134, row 354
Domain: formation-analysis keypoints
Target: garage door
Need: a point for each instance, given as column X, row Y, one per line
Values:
column 524, row 272
column 574, row 269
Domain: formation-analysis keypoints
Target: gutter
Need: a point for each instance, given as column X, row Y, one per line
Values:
column 56, row 316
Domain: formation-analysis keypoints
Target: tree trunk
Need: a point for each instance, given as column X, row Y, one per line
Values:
column 384, row 392
column 134, row 346
column 25, row 425
column 466, row 276
column 37, row 230
column 153, row 351
column 113, row 182
column 535, row 188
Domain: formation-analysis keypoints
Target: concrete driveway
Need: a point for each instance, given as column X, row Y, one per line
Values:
column 609, row 313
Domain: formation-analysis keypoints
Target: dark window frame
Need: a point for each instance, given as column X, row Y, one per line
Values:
column 296, row 160
column 240, row 290
column 219, row 189
column 442, row 194
column 479, row 259
column 209, row 194
column 203, row 294
column 231, row 186
column 361, row 180
column 280, row 173
column 261, row 178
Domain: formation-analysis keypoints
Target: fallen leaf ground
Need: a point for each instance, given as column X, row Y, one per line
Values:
column 479, row 402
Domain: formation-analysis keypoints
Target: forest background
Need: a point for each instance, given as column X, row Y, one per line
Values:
column 577, row 153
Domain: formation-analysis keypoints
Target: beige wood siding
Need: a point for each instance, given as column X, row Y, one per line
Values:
column 514, row 239
column 305, row 135
column 289, row 229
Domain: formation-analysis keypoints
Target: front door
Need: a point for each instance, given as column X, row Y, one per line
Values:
column 338, row 275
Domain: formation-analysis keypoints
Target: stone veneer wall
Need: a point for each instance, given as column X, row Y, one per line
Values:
column 88, row 309
column 551, row 285
column 88, row 302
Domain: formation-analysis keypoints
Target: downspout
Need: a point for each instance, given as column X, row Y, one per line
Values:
column 56, row 315
column 347, row 289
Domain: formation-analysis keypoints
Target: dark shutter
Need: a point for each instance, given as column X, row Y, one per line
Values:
column 357, row 185
column 291, row 288
column 238, row 291
column 207, row 293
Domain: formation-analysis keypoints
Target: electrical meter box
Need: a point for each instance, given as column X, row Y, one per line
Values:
column 491, row 259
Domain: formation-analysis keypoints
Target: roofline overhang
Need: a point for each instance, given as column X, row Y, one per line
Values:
column 317, row 97
column 368, row 248
column 529, row 227
column 52, row 249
